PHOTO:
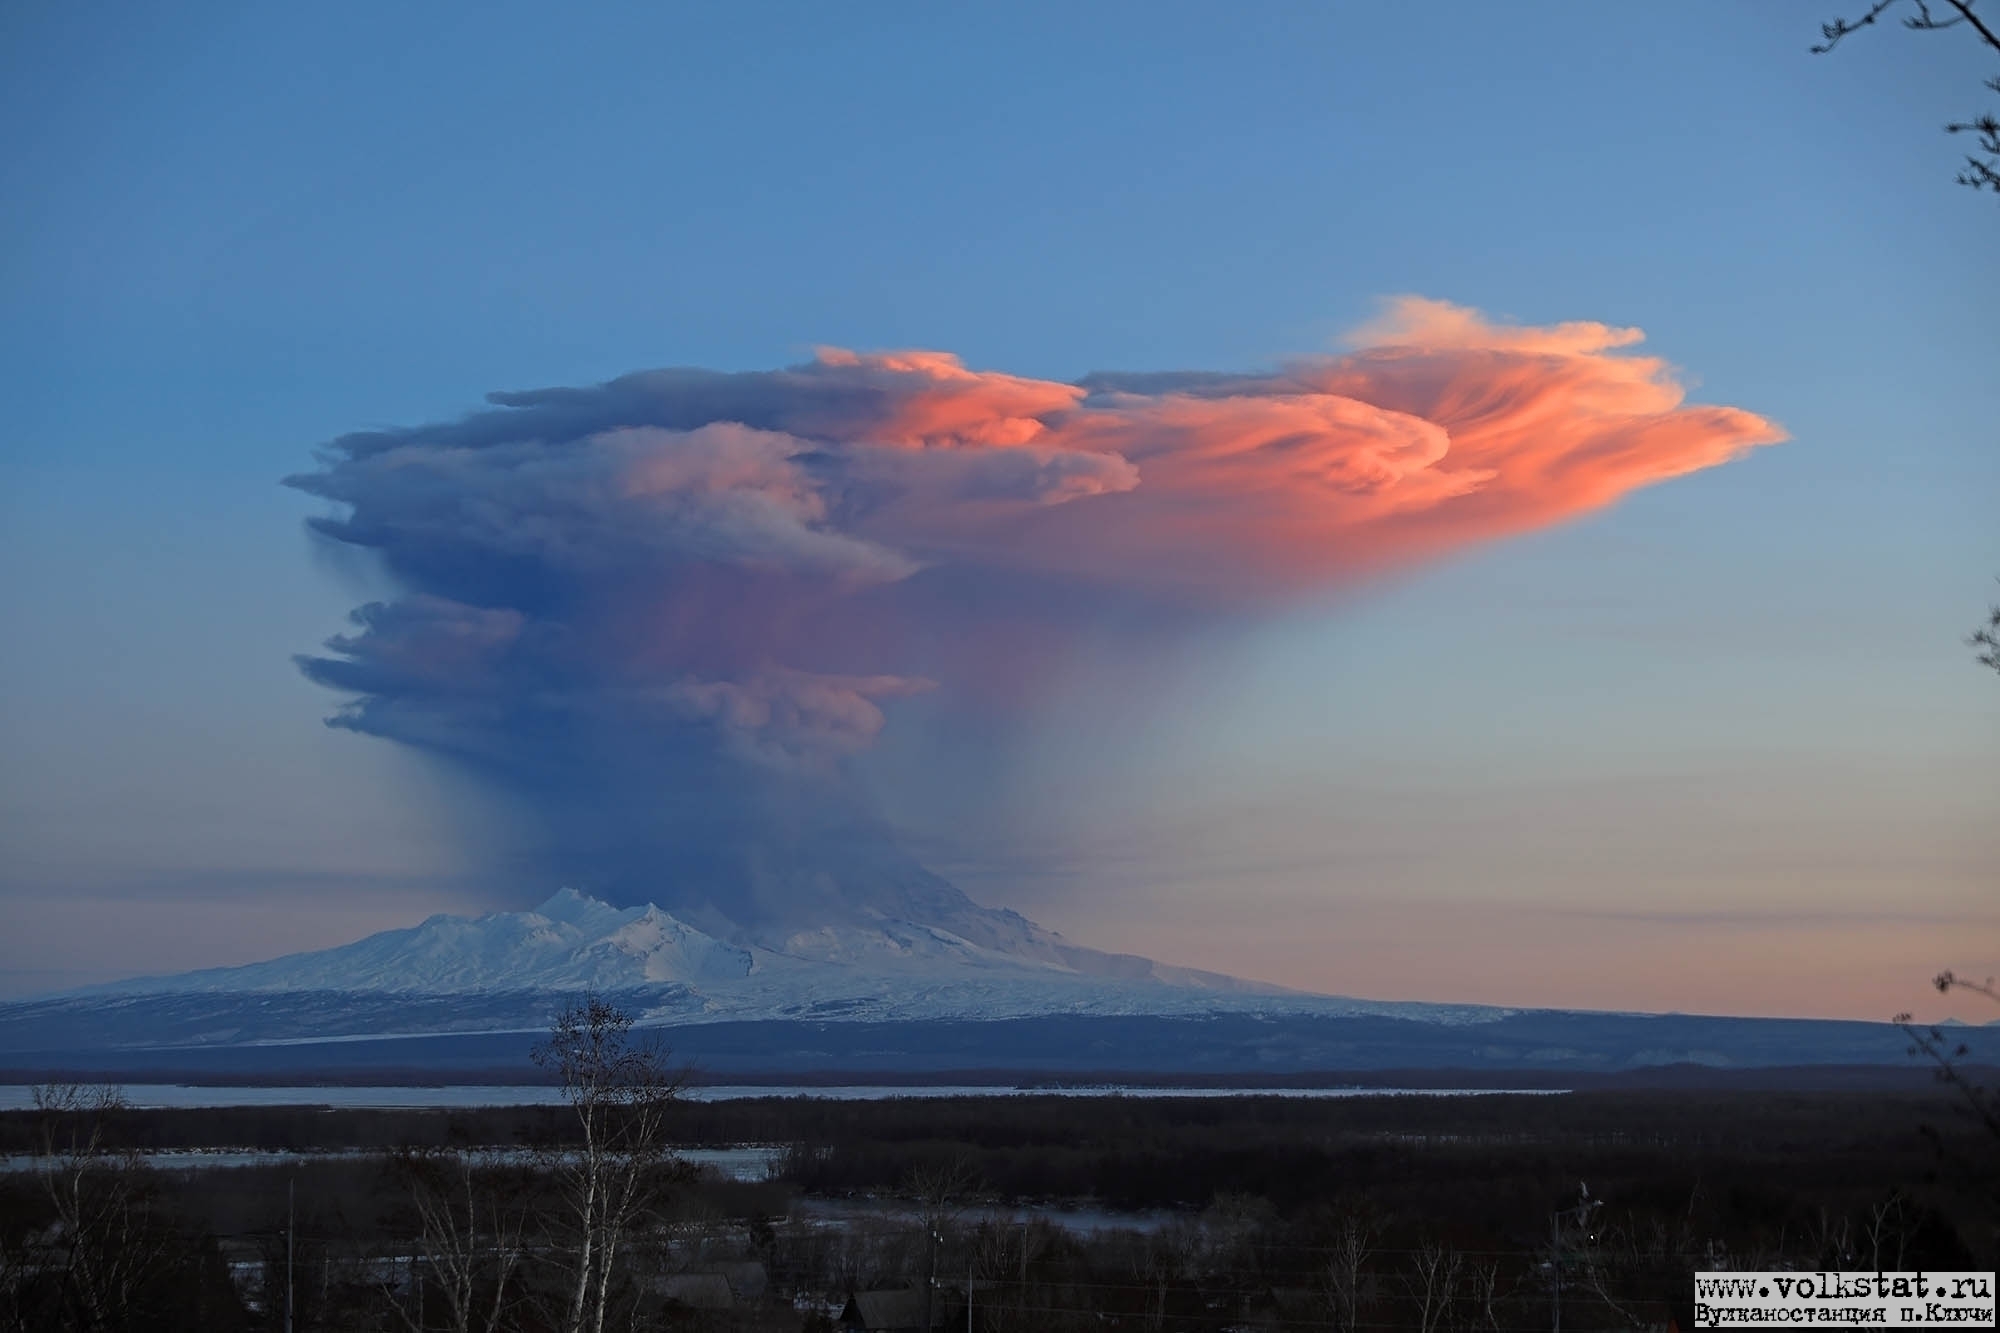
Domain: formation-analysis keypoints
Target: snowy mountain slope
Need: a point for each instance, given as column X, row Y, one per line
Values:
column 887, row 970
column 869, row 992
column 570, row 943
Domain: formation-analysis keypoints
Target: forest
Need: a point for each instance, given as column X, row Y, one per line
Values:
column 1578, row 1210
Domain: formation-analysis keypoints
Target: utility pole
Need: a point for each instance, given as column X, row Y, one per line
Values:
column 1556, row 1262
column 1570, row 1222
column 1021, row 1291
column 930, row 1276
column 291, row 1226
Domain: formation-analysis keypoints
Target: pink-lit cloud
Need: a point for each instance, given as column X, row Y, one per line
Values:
column 1441, row 429
column 695, row 571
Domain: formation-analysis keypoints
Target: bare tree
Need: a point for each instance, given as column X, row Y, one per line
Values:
column 1982, row 167
column 1981, row 1102
column 107, row 1243
column 1432, row 1283
column 942, row 1192
column 1888, row 1231
column 621, row 1091
column 1831, row 1241
column 470, row 1218
column 18, row 1271
column 1347, row 1278
column 1002, row 1253
column 1948, row 981
column 1986, row 640
column 1977, row 1170
column 1483, row 1296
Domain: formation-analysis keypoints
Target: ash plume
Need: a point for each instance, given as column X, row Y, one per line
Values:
column 665, row 612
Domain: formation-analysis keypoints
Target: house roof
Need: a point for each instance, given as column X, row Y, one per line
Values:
column 747, row 1279
column 702, row 1291
column 879, row 1310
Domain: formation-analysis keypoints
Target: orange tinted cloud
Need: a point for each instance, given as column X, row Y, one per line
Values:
column 669, row 609
column 748, row 547
column 929, row 399
column 1440, row 429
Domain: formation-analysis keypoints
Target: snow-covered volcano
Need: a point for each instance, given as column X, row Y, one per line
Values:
column 887, row 969
column 869, row 992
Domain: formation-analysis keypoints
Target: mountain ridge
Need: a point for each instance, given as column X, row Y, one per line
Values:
column 867, row 992
column 572, row 941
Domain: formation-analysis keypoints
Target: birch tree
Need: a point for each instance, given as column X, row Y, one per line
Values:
column 621, row 1091
column 108, row 1244
column 470, row 1218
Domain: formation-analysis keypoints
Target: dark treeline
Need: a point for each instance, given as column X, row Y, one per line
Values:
column 309, row 1128
column 1753, row 1122
column 1145, row 1153
column 1420, row 1212
column 200, row 1249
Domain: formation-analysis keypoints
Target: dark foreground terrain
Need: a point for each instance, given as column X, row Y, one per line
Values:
column 1503, row 1211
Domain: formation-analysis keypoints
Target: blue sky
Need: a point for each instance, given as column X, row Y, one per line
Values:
column 1719, row 748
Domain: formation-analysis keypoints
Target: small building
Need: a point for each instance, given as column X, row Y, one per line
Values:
column 747, row 1279
column 698, row 1291
column 897, row 1311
